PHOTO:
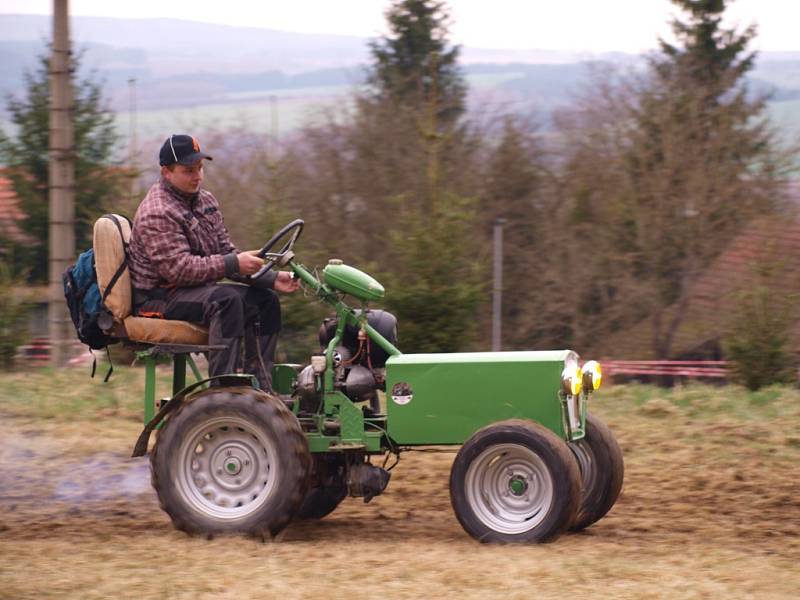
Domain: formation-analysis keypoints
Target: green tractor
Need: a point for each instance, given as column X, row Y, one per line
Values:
column 230, row 458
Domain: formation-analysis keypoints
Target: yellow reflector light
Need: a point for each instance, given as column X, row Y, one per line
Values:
column 592, row 375
column 571, row 380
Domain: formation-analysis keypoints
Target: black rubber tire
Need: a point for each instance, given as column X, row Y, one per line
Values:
column 602, row 469
column 234, row 418
column 328, row 487
column 524, row 439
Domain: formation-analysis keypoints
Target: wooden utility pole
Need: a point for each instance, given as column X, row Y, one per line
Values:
column 61, row 183
column 132, row 141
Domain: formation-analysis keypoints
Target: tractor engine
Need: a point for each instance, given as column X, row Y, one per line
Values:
column 359, row 364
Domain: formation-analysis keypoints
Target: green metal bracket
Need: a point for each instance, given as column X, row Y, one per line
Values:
column 195, row 371
column 149, row 386
column 179, row 363
column 351, row 419
column 318, row 442
column 573, row 435
column 178, row 373
column 328, row 379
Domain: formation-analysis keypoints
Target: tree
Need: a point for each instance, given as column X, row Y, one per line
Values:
column 669, row 167
column 516, row 186
column 25, row 153
column 435, row 282
column 414, row 65
column 703, row 160
column 390, row 187
column 707, row 54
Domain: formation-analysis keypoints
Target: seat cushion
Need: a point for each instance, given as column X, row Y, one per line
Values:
column 162, row 331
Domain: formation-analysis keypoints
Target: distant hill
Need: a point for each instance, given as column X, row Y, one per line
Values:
column 175, row 46
column 197, row 71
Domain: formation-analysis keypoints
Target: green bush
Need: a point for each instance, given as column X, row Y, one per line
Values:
column 13, row 312
column 435, row 284
column 757, row 343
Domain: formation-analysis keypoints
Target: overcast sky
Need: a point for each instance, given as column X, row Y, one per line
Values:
column 590, row 25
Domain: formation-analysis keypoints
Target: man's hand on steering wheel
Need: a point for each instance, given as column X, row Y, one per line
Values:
column 249, row 262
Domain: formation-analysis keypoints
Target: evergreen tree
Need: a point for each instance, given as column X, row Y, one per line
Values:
column 515, row 188
column 26, row 156
column 707, row 54
column 435, row 284
column 415, row 65
column 758, row 344
column 413, row 190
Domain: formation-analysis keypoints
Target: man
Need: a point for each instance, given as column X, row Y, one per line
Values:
column 180, row 250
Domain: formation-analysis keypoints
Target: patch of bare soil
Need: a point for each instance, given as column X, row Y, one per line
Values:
column 706, row 511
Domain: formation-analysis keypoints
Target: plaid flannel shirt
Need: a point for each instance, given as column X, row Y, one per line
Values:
column 179, row 240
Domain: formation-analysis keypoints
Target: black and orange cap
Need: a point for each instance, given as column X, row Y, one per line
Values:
column 181, row 149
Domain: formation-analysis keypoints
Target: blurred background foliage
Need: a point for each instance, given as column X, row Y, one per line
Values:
column 613, row 216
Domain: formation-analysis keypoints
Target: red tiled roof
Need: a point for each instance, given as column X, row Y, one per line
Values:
column 769, row 243
column 10, row 212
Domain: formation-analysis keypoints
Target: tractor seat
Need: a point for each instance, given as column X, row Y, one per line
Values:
column 110, row 243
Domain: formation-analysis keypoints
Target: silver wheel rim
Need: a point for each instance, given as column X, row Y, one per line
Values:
column 509, row 488
column 227, row 468
column 586, row 463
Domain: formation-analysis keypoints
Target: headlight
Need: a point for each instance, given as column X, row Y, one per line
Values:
column 571, row 381
column 592, row 375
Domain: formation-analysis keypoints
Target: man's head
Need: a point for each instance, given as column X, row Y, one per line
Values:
column 182, row 162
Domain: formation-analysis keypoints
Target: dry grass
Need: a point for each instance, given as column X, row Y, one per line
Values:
column 709, row 509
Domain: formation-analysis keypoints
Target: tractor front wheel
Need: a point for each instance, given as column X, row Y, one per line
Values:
column 514, row 481
column 231, row 460
column 599, row 459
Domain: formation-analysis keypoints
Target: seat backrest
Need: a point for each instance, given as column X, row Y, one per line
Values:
column 111, row 236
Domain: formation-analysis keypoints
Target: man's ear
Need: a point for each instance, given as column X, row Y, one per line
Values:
column 166, row 172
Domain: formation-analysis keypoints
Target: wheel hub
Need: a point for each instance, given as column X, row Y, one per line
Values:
column 517, row 485
column 233, row 466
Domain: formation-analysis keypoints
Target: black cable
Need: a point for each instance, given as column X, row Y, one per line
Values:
column 432, row 450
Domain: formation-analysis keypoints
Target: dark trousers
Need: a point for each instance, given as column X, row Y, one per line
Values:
column 233, row 313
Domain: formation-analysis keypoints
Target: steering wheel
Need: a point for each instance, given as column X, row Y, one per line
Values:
column 285, row 254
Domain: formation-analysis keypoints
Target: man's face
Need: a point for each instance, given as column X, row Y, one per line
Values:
column 185, row 178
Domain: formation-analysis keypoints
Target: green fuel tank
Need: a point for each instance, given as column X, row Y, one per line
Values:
column 351, row 281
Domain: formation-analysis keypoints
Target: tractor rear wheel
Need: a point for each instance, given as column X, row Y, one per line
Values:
column 327, row 489
column 231, row 460
column 514, row 481
column 599, row 459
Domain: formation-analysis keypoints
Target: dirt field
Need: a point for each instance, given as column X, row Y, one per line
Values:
column 710, row 508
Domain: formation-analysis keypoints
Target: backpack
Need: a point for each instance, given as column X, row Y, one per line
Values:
column 86, row 306
column 84, row 301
